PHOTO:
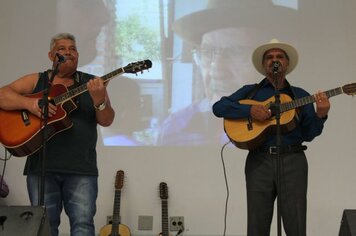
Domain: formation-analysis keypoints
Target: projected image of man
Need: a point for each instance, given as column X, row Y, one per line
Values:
column 222, row 37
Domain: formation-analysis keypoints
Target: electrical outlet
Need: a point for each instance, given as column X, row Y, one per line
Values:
column 176, row 223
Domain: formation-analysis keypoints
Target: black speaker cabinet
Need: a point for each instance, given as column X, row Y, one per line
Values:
column 348, row 223
column 23, row 220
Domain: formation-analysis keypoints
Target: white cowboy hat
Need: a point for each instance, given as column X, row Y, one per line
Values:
column 257, row 56
column 233, row 13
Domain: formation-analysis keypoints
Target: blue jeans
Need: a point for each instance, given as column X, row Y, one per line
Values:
column 76, row 193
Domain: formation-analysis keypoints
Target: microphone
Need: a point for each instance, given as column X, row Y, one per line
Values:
column 275, row 66
column 61, row 58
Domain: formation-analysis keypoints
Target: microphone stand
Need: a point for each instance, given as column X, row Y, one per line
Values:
column 43, row 104
column 277, row 104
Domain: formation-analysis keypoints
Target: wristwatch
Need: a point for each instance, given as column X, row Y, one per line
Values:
column 101, row 106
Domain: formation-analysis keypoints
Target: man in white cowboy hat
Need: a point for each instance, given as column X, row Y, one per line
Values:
column 275, row 60
column 223, row 36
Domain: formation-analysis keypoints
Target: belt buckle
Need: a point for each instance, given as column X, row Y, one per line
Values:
column 272, row 150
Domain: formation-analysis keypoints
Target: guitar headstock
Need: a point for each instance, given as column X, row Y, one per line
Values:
column 163, row 190
column 119, row 180
column 138, row 66
column 349, row 89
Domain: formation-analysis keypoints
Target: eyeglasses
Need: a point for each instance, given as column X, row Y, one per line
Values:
column 206, row 56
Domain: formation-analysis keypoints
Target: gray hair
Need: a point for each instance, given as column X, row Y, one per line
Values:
column 60, row 36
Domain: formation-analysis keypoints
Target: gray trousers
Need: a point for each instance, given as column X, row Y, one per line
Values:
column 261, row 186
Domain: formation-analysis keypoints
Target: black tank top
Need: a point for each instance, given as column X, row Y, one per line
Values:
column 72, row 151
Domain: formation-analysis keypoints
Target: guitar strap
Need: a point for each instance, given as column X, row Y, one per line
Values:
column 77, row 79
column 43, row 76
column 253, row 91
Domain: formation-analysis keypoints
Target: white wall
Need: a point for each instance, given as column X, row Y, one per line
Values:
column 194, row 175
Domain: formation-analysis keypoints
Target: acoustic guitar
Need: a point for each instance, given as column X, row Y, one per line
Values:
column 116, row 228
column 21, row 132
column 249, row 134
column 163, row 192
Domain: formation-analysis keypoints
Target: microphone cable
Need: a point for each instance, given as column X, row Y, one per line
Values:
column 226, row 183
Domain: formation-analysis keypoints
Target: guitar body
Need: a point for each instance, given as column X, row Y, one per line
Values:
column 21, row 131
column 249, row 135
column 106, row 230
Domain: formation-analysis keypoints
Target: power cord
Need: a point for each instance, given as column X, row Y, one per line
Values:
column 180, row 231
column 226, row 183
column 3, row 169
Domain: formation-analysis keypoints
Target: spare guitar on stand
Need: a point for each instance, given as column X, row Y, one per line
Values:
column 116, row 228
column 163, row 193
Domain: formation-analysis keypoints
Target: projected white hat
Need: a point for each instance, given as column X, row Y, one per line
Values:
column 257, row 56
column 234, row 13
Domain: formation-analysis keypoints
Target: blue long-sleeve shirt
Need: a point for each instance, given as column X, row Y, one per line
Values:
column 308, row 124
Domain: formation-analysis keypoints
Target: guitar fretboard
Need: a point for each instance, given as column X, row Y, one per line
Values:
column 309, row 99
column 130, row 68
column 83, row 88
column 165, row 229
column 116, row 213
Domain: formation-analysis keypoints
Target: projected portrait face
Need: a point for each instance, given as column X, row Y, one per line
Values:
column 224, row 60
column 223, row 37
column 84, row 19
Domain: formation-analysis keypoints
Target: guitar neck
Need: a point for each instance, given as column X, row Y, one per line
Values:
column 116, row 211
column 308, row 99
column 83, row 88
column 165, row 229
